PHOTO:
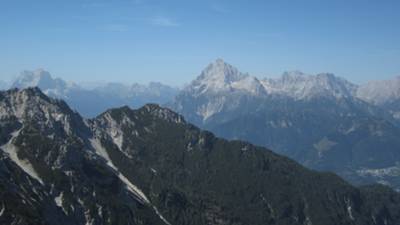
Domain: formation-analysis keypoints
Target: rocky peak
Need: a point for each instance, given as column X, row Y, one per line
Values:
column 31, row 104
column 380, row 92
column 54, row 87
column 127, row 116
column 152, row 89
column 36, row 78
column 162, row 113
column 158, row 85
column 290, row 76
column 19, row 102
column 220, row 76
column 302, row 86
column 221, row 70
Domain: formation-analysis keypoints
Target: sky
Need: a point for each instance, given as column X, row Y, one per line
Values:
column 171, row 41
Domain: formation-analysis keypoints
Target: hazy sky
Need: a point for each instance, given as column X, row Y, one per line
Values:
column 172, row 41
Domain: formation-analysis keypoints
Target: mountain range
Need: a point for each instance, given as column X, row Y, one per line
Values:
column 92, row 101
column 322, row 121
column 150, row 166
column 383, row 93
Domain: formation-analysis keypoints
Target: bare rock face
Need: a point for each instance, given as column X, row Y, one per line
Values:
column 383, row 93
column 380, row 91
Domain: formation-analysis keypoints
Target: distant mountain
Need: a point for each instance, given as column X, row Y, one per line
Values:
column 138, row 94
column 91, row 102
column 41, row 78
column 220, row 77
column 315, row 119
column 383, row 93
column 300, row 86
column 149, row 166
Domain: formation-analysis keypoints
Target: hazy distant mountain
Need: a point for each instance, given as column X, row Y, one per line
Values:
column 41, row 78
column 90, row 102
column 384, row 93
column 315, row 119
column 149, row 166
column 380, row 91
column 139, row 94
column 300, row 86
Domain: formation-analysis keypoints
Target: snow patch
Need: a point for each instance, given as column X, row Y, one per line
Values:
column 396, row 115
column 245, row 148
column 161, row 216
column 392, row 171
column 323, row 146
column 89, row 220
column 131, row 187
column 59, row 199
column 349, row 209
column 118, row 139
column 59, row 202
column 98, row 148
column 24, row 164
column 3, row 209
column 350, row 212
column 99, row 210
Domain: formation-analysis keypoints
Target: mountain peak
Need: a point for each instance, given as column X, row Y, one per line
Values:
column 32, row 104
column 32, row 78
column 220, row 60
column 293, row 74
column 28, row 92
column 162, row 113
column 303, row 86
column 41, row 78
column 381, row 91
column 38, row 78
column 125, row 113
column 219, row 69
column 220, row 76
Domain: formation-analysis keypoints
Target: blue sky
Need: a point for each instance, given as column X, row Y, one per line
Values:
column 172, row 41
